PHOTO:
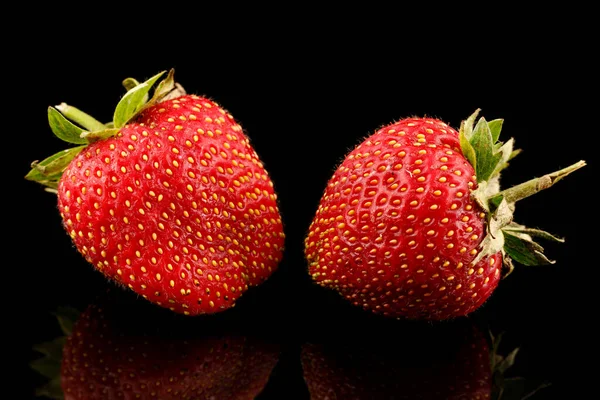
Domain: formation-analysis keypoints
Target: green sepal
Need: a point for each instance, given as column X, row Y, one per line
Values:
column 52, row 354
column 514, row 153
column 483, row 145
column 49, row 364
column 466, row 147
column 99, row 135
column 52, row 349
column 48, row 171
column 513, row 227
column 163, row 88
column 467, row 125
column 74, row 126
column 66, row 317
column 489, row 157
column 80, row 118
column 133, row 101
column 506, row 153
column 495, row 128
column 51, row 389
column 508, row 388
column 494, row 202
column 499, row 364
column 63, row 128
column 130, row 83
column 520, row 246
column 494, row 241
column 479, row 144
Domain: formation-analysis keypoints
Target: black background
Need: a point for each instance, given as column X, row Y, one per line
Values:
column 306, row 93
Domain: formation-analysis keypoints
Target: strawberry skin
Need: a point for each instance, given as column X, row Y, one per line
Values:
column 408, row 228
column 177, row 206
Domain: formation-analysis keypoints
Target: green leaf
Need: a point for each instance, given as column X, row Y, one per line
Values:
column 99, row 135
column 49, row 171
column 505, row 151
column 467, row 125
column 79, row 117
column 496, row 200
column 490, row 245
column 46, row 367
column 481, row 140
column 130, row 83
column 516, row 228
column 133, row 101
column 164, row 87
column 521, row 248
column 514, row 154
column 507, row 361
column 63, row 128
column 508, row 388
column 66, row 317
column 52, row 389
column 51, row 349
column 466, row 147
column 495, row 127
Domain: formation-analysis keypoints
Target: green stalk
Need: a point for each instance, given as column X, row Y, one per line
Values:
column 87, row 121
column 535, row 185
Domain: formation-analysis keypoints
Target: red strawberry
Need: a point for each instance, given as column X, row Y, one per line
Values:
column 413, row 224
column 120, row 348
column 170, row 199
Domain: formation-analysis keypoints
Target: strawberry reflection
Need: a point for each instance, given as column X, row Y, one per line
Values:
column 120, row 348
column 452, row 361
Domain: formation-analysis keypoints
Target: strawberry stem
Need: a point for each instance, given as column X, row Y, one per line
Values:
column 87, row 121
column 533, row 186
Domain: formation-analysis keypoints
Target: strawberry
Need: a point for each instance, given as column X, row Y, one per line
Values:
column 170, row 199
column 121, row 348
column 413, row 223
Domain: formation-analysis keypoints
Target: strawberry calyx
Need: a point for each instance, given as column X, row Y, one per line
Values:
column 76, row 127
column 49, row 363
column 489, row 156
column 503, row 386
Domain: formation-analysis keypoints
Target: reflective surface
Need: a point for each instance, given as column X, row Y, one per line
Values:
column 285, row 340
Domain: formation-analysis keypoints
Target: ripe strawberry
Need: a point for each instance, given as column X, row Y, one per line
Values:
column 119, row 348
column 170, row 199
column 413, row 224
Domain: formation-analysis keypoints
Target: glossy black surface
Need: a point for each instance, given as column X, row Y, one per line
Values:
column 304, row 106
